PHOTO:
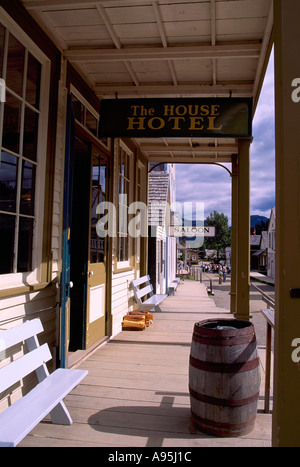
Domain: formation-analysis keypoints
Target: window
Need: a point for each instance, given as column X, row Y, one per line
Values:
column 86, row 115
column 139, row 197
column 99, row 195
column 124, row 197
column 20, row 124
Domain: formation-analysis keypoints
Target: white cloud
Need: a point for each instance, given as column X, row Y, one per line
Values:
column 265, row 109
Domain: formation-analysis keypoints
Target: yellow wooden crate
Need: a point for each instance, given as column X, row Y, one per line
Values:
column 148, row 316
column 134, row 323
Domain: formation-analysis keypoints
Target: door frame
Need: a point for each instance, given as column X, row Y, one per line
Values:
column 75, row 130
column 66, row 253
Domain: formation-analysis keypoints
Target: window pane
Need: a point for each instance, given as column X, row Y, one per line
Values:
column 30, row 134
column 103, row 176
column 97, row 248
column 15, row 65
column 25, row 245
column 11, row 124
column 33, row 81
column 95, row 202
column 97, row 254
column 95, row 176
column 7, row 240
column 8, row 182
column 78, row 110
column 94, row 247
column 91, row 123
column 128, row 166
column 27, row 188
column 121, row 186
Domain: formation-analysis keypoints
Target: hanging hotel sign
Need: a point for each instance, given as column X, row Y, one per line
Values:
column 180, row 117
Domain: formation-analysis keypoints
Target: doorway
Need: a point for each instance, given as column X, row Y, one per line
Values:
column 88, row 252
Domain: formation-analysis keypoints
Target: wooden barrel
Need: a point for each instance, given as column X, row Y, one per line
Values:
column 224, row 377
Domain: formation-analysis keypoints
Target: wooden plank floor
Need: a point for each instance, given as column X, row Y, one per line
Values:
column 136, row 393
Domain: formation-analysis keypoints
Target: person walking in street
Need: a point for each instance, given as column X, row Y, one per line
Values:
column 224, row 273
column 220, row 275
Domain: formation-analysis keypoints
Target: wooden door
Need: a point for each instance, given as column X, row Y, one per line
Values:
column 97, row 260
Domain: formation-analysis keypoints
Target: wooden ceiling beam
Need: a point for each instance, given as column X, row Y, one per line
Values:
column 221, row 89
column 174, row 148
column 47, row 5
column 248, row 50
column 178, row 159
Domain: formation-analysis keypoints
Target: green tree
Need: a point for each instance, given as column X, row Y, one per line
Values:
column 222, row 237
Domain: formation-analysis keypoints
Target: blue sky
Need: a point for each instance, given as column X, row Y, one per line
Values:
column 212, row 184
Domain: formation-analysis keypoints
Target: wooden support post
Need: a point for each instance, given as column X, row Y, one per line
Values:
column 243, row 229
column 286, row 408
column 234, row 236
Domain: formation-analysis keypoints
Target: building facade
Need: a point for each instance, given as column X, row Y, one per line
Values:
column 161, row 246
column 67, row 198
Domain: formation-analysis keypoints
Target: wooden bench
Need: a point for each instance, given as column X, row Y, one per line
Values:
column 47, row 396
column 269, row 315
column 173, row 287
column 270, row 318
column 153, row 301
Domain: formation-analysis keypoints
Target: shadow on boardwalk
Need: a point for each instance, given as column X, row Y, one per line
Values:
column 136, row 393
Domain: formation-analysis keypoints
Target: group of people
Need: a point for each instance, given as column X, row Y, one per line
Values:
column 219, row 269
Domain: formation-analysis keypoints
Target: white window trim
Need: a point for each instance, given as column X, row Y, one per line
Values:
column 34, row 277
column 83, row 101
column 121, row 145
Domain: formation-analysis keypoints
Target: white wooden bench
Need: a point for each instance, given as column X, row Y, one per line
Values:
column 270, row 318
column 47, row 397
column 173, row 287
column 142, row 287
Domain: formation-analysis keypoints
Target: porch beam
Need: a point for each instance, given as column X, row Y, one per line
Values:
column 54, row 4
column 187, row 148
column 237, row 89
column 247, row 50
column 180, row 159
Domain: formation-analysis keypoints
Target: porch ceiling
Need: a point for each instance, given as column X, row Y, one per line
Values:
column 165, row 48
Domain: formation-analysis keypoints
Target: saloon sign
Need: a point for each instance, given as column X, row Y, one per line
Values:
column 194, row 231
column 217, row 117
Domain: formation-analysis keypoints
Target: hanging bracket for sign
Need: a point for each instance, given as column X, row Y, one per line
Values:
column 180, row 117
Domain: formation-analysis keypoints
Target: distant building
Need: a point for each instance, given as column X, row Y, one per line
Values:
column 254, row 251
column 271, row 244
column 263, row 256
column 192, row 256
column 161, row 247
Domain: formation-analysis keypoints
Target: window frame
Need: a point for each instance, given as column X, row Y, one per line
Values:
column 125, row 264
column 88, row 108
column 33, row 277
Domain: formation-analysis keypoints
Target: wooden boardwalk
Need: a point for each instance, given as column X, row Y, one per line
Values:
column 136, row 393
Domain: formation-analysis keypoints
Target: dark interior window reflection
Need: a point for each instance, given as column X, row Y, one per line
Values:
column 27, row 189
column 25, row 245
column 8, row 182
column 7, row 240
